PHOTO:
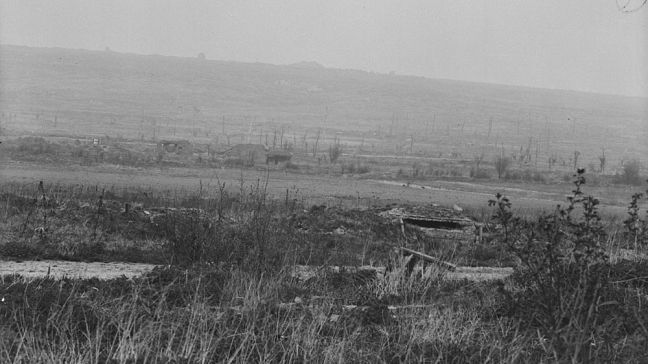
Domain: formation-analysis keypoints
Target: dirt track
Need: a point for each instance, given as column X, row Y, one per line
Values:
column 305, row 272
column 60, row 269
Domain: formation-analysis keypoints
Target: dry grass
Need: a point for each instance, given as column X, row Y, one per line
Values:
column 231, row 294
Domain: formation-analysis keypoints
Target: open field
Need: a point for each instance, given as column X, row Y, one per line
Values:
column 58, row 92
column 143, row 219
column 391, row 130
column 226, row 288
column 321, row 189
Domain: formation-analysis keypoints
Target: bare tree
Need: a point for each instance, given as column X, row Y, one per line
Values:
column 317, row 136
column 602, row 161
column 576, row 155
column 274, row 138
column 552, row 160
column 335, row 151
column 502, row 164
column 490, row 126
column 631, row 172
column 478, row 159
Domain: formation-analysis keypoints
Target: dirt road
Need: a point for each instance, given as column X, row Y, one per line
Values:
column 60, row 269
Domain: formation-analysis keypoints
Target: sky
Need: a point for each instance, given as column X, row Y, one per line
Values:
column 585, row 45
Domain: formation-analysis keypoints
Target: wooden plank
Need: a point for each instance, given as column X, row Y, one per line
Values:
column 428, row 258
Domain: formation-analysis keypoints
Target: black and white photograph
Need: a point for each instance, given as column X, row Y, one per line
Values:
column 340, row 181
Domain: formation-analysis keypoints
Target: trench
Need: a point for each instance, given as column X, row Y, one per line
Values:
column 433, row 224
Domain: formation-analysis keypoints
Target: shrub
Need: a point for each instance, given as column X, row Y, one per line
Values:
column 21, row 250
column 335, row 151
column 502, row 164
column 292, row 166
column 636, row 229
column 479, row 173
column 348, row 168
column 563, row 280
column 234, row 162
column 359, row 168
column 36, row 145
column 363, row 168
column 631, row 172
column 526, row 175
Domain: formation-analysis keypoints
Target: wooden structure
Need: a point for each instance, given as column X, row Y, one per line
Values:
column 442, row 223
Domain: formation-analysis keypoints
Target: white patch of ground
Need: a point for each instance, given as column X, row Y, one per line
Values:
column 60, row 269
column 305, row 272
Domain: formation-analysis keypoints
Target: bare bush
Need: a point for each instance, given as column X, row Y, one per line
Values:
column 502, row 164
column 563, row 283
column 335, row 151
column 631, row 173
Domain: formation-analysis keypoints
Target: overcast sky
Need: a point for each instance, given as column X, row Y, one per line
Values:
column 568, row 44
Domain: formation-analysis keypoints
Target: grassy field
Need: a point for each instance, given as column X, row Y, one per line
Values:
column 227, row 260
column 226, row 289
column 63, row 92
column 436, row 133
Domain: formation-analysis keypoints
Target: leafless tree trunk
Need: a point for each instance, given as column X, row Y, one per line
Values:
column 317, row 137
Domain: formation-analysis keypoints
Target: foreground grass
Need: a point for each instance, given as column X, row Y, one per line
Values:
column 95, row 223
column 215, row 314
column 229, row 292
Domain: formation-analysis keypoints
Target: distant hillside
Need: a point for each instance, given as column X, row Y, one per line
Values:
column 307, row 64
column 90, row 88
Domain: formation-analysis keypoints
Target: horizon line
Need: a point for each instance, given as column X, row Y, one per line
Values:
column 294, row 64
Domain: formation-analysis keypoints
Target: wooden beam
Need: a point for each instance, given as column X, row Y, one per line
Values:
column 427, row 258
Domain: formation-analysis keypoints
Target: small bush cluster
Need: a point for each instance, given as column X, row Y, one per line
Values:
column 631, row 174
column 526, row 175
column 224, row 225
column 40, row 149
column 292, row 166
column 35, row 145
column 563, row 284
column 636, row 227
column 355, row 168
column 431, row 170
column 479, row 173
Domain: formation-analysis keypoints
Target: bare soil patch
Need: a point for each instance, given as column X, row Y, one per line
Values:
column 101, row 270
column 304, row 272
column 61, row 269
